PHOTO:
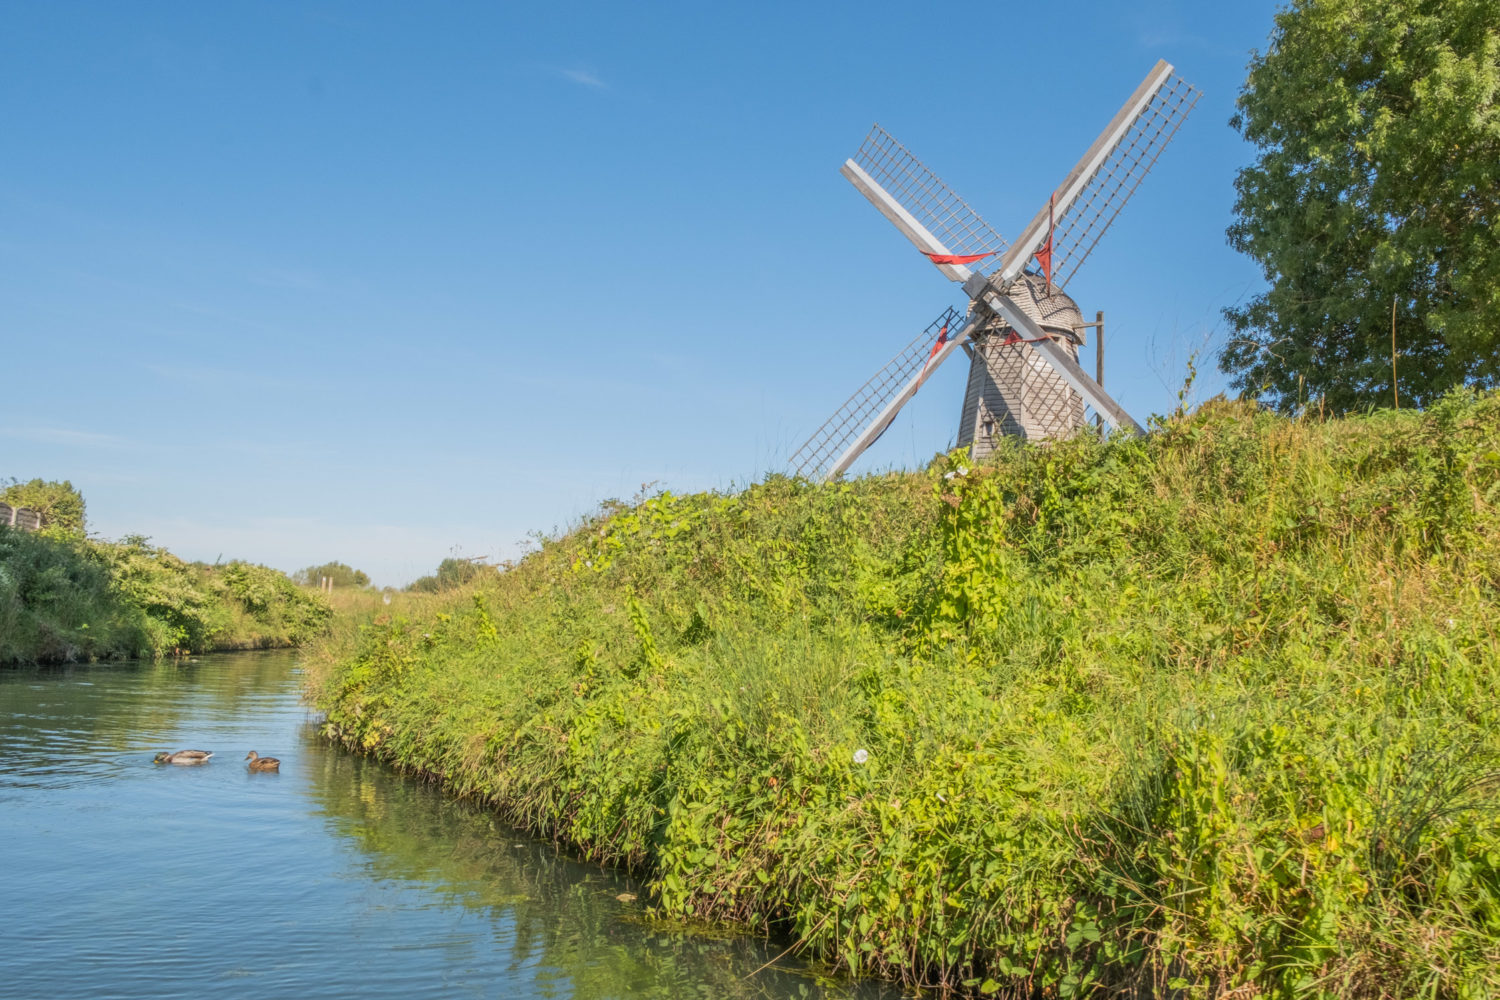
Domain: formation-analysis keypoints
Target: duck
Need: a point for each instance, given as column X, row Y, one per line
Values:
column 259, row 763
column 183, row 757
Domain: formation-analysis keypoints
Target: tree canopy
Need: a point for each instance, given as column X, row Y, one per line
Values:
column 61, row 506
column 343, row 575
column 451, row 572
column 1377, row 182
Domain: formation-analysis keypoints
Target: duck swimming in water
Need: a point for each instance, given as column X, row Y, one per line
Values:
column 259, row 763
column 183, row 757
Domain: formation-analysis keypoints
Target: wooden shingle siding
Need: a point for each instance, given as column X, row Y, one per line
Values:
column 1012, row 387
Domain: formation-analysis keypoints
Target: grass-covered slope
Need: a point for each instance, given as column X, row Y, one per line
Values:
column 1211, row 711
column 65, row 598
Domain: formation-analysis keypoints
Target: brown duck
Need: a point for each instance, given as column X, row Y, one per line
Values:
column 183, row 757
column 259, row 763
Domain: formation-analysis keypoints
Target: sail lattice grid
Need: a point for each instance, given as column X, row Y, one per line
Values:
column 820, row 452
column 1079, row 227
column 922, row 193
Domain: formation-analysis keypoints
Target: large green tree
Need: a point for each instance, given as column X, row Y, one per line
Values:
column 1377, row 183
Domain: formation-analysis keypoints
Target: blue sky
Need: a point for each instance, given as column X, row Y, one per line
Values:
column 386, row 282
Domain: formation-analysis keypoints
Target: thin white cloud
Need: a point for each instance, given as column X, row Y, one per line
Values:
column 584, row 78
column 305, row 281
column 63, row 436
column 205, row 375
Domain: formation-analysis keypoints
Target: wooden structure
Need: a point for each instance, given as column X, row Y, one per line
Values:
column 1011, row 390
column 1021, row 332
column 20, row 518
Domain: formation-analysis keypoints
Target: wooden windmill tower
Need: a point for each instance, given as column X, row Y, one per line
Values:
column 1021, row 331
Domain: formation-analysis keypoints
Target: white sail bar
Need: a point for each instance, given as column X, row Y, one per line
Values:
column 903, row 220
column 923, row 196
column 1100, row 184
column 828, row 451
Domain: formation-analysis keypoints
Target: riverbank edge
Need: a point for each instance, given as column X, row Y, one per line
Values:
column 65, row 598
column 68, row 659
column 631, row 690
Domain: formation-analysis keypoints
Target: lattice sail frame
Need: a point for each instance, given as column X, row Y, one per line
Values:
column 827, row 445
column 922, row 193
column 1084, row 215
column 1089, row 214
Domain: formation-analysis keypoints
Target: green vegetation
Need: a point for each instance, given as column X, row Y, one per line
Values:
column 60, row 505
column 68, row 598
column 451, row 573
column 1205, row 713
column 341, row 574
column 1377, row 183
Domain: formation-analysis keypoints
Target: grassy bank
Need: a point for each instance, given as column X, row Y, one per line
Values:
column 65, row 598
column 1211, row 712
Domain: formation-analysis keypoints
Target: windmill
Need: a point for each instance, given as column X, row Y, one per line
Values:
column 1021, row 331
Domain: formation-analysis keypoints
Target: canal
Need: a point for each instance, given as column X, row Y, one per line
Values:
column 335, row 877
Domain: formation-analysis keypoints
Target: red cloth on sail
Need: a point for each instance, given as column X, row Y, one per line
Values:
column 1044, row 258
column 956, row 258
column 942, row 339
column 1044, row 254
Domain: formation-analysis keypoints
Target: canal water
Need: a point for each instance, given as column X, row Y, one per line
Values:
column 336, row 877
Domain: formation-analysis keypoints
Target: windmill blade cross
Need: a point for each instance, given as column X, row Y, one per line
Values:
column 940, row 223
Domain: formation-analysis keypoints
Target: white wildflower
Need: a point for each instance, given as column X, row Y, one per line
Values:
column 861, row 755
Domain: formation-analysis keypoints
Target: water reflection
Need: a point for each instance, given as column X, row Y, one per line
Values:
column 335, row 876
column 563, row 919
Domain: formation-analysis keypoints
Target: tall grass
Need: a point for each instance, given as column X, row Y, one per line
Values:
column 1208, row 713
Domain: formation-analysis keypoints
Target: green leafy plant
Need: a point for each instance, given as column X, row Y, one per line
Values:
column 1207, row 713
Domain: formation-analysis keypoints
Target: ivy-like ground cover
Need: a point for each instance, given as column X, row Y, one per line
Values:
column 1207, row 713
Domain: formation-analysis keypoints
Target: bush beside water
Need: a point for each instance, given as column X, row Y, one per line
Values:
column 1207, row 713
column 65, row 598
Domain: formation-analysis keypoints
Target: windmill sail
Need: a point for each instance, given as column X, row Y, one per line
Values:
column 956, row 229
column 1093, row 193
column 827, row 452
